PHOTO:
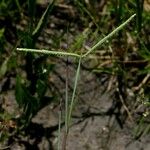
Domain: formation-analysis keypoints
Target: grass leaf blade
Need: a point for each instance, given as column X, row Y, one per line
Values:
column 74, row 91
column 42, row 21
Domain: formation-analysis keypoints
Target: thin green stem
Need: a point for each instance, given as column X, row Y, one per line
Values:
column 67, row 82
column 66, row 101
column 74, row 91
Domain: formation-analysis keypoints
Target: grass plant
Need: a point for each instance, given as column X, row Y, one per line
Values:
column 79, row 58
column 22, row 25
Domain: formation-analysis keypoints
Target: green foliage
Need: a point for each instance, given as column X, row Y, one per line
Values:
column 34, row 68
column 30, row 104
column 41, row 88
column 23, row 97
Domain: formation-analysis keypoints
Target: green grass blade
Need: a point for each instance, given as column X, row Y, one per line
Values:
column 66, row 98
column 42, row 51
column 42, row 21
column 108, row 36
column 74, row 91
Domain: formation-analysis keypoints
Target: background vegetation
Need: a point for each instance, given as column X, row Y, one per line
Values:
column 27, row 83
